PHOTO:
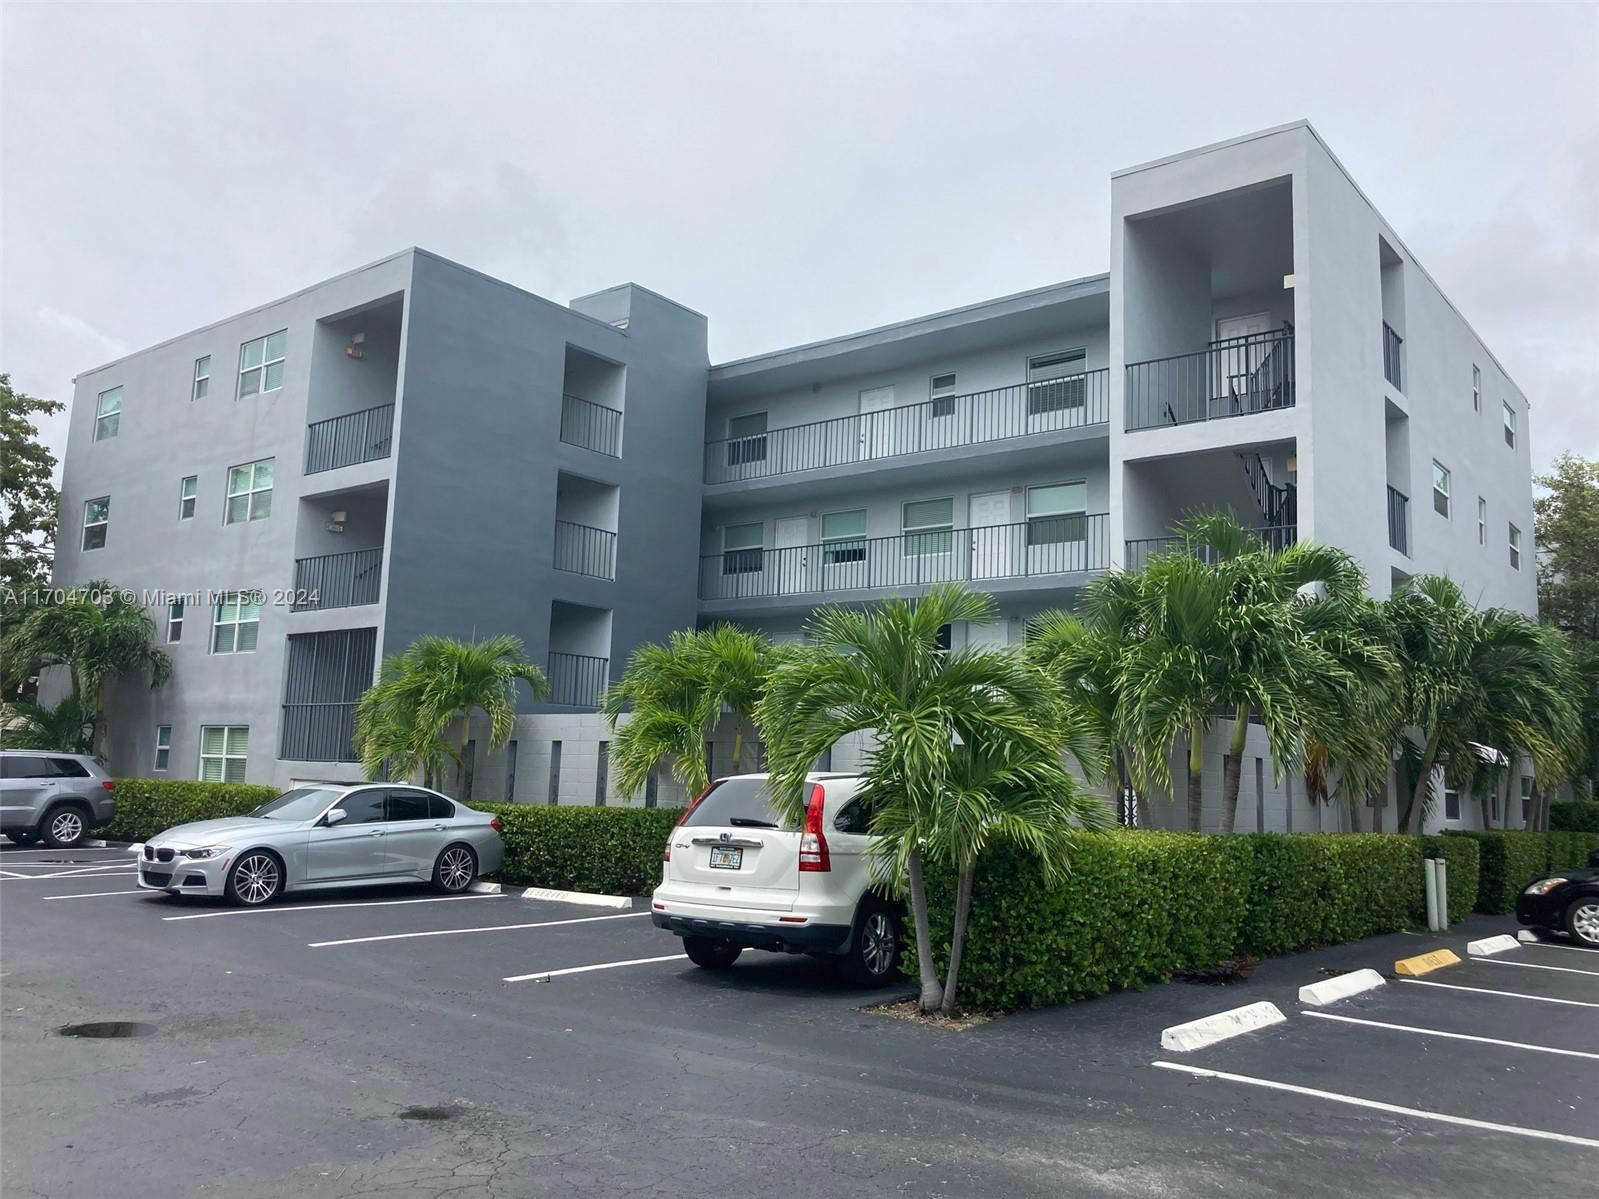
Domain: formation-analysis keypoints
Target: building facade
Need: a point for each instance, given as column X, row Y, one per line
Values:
column 416, row 448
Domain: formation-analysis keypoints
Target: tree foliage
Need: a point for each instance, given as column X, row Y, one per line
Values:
column 28, row 498
column 1566, row 529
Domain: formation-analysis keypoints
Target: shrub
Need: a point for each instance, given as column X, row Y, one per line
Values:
column 1510, row 859
column 1464, row 866
column 612, row 850
column 1574, row 817
column 145, row 807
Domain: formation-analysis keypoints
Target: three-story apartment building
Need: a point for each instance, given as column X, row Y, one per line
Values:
column 429, row 450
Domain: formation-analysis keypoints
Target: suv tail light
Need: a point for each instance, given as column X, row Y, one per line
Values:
column 813, row 844
column 109, row 784
column 666, row 854
column 494, row 823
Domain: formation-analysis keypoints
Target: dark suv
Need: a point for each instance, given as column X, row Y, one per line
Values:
column 54, row 798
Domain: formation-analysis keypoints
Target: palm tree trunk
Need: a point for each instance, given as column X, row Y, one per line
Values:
column 1538, row 816
column 1415, row 813
column 1196, row 768
column 466, row 729
column 957, row 940
column 1510, row 779
column 1482, row 803
column 1233, row 770
column 932, row 993
column 98, row 739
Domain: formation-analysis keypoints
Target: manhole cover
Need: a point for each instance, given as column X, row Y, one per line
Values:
column 107, row 1029
column 432, row 1113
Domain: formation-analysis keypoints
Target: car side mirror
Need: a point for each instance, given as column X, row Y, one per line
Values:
column 335, row 816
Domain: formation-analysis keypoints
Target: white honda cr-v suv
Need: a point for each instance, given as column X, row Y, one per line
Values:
column 735, row 877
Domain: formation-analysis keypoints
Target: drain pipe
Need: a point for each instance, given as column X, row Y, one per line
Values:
column 1441, row 869
column 1429, row 876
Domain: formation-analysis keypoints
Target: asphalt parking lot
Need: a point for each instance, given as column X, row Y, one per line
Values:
column 400, row 1045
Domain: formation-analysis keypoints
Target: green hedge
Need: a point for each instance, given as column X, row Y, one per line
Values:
column 1574, row 817
column 616, row 851
column 145, row 807
column 1510, row 859
column 1464, row 860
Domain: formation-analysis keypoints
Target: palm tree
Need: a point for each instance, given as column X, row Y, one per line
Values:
column 98, row 635
column 678, row 694
column 966, row 748
column 68, row 727
column 401, row 723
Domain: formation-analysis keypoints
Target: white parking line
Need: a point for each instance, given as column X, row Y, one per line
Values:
column 1538, row 966
column 1453, row 1036
column 323, row 907
column 1375, row 1105
column 1422, row 982
column 98, row 894
column 78, row 872
column 1553, row 945
column 545, row 974
column 487, row 928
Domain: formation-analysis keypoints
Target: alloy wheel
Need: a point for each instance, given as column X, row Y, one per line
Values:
column 1585, row 923
column 255, row 879
column 455, row 868
column 877, row 943
column 66, row 827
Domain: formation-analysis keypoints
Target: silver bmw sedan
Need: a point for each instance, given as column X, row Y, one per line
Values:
column 312, row 838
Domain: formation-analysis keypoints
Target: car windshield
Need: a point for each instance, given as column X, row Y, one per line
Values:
column 742, row 803
column 303, row 803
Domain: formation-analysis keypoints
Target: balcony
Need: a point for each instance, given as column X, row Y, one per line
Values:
column 578, row 680
column 1399, row 521
column 585, row 550
column 591, row 426
column 346, row 440
column 1042, row 547
column 1392, row 348
column 1140, row 551
column 344, row 580
column 1233, row 377
column 949, row 422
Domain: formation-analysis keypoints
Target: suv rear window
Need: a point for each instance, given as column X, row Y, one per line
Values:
column 68, row 768
column 738, row 802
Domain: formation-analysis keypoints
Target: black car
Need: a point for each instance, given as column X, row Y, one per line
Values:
column 1565, row 902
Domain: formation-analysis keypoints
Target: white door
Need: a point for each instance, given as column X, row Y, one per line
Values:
column 992, row 536
column 1236, row 362
column 793, row 553
column 882, row 428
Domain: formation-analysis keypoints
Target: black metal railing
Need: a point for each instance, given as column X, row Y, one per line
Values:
column 591, row 426
column 578, row 680
column 949, row 422
column 318, row 732
column 1392, row 351
column 363, row 436
column 1045, row 545
column 1141, row 550
column 584, row 550
column 1399, row 521
column 337, row 580
column 1232, row 377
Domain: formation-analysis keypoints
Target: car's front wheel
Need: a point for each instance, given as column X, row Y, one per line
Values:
column 455, row 870
column 712, row 953
column 64, row 828
column 1582, row 920
column 873, row 956
column 256, row 879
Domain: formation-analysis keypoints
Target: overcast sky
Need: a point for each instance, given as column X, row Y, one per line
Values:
column 791, row 171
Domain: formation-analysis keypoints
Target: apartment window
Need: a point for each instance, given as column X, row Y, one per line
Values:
column 96, row 519
column 741, row 549
column 926, row 525
column 1451, row 804
column 941, row 393
column 944, row 638
column 1510, row 425
column 555, row 772
column 746, row 439
column 202, row 378
column 250, row 492
column 237, row 625
column 1440, row 489
column 1055, row 514
column 844, row 536
column 261, row 363
column 1482, row 521
column 510, row 772
column 652, row 790
column 1526, row 800
column 1055, row 382
column 223, row 748
column 188, row 492
column 108, row 414
column 163, row 746
column 1493, row 807
column 175, row 621
column 1515, row 548
column 1476, row 388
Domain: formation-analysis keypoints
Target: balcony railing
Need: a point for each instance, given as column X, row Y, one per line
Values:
column 949, row 422
column 337, row 580
column 1140, row 551
column 1233, row 377
column 578, row 680
column 313, row 732
column 584, row 550
column 1045, row 545
column 1399, row 521
column 363, row 436
column 1392, row 348
column 591, row 426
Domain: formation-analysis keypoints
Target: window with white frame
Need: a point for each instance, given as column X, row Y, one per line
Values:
column 1526, row 800
column 1482, row 521
column 261, row 363
column 927, row 526
column 96, row 519
column 188, row 492
column 1476, row 388
column 1440, row 488
column 250, row 492
column 844, row 536
column 746, row 438
column 1451, row 804
column 108, row 414
column 1515, row 548
column 163, row 746
column 1056, row 513
column 1510, row 425
column 1055, row 381
column 941, row 393
column 236, row 624
column 223, row 750
column 202, row 378
column 741, row 548
column 175, row 621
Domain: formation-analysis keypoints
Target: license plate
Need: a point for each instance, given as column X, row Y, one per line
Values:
column 726, row 859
